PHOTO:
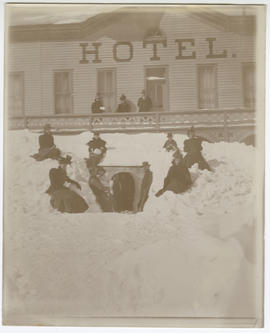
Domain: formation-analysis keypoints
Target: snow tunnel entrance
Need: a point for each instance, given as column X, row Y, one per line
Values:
column 123, row 189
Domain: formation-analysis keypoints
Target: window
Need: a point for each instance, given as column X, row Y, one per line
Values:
column 63, row 92
column 157, row 87
column 106, row 83
column 15, row 94
column 207, row 86
column 249, row 84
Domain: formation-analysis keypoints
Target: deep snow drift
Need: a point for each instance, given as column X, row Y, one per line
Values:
column 185, row 255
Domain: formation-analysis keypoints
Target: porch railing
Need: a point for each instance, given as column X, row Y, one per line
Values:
column 147, row 121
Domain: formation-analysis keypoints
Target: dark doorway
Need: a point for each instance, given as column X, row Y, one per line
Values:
column 123, row 191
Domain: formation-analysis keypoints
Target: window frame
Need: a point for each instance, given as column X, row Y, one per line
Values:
column 113, row 70
column 215, row 67
column 166, row 107
column 70, row 71
column 21, row 73
column 245, row 65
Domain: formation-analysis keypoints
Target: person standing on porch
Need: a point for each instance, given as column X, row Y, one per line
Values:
column 144, row 102
column 124, row 106
column 97, row 105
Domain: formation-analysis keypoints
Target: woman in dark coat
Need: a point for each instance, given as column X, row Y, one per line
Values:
column 178, row 179
column 63, row 198
column 124, row 106
column 47, row 148
column 193, row 148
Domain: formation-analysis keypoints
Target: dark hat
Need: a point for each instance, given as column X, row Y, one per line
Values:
column 145, row 163
column 123, row 97
column 47, row 126
column 65, row 160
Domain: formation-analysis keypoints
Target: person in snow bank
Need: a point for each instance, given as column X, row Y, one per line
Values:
column 145, row 185
column 97, row 150
column 170, row 143
column 124, row 106
column 178, row 179
column 193, row 149
column 144, row 103
column 64, row 199
column 101, row 191
column 97, row 105
column 47, row 148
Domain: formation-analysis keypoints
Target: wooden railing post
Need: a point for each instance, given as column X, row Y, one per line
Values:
column 158, row 121
column 90, row 123
column 226, row 133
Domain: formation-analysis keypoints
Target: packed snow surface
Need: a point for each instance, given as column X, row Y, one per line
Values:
column 186, row 255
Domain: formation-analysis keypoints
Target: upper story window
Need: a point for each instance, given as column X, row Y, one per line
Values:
column 16, row 94
column 63, row 91
column 157, row 87
column 249, row 85
column 106, row 83
column 207, row 86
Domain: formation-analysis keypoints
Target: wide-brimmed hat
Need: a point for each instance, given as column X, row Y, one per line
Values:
column 123, row 98
column 47, row 126
column 145, row 163
column 65, row 160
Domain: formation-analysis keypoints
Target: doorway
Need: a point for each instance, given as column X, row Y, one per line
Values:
column 123, row 189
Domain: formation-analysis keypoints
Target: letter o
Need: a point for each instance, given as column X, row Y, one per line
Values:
column 115, row 56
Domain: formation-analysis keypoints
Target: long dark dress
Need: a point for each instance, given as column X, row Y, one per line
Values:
column 178, row 179
column 193, row 148
column 47, row 148
column 62, row 198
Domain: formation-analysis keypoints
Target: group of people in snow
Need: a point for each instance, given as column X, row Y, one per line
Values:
column 178, row 179
column 119, row 195
column 144, row 104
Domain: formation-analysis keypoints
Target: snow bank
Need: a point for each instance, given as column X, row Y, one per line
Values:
column 181, row 256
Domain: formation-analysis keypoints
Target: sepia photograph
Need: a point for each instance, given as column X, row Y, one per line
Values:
column 134, row 165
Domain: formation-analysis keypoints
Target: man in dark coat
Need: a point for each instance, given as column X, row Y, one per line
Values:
column 97, row 105
column 193, row 148
column 145, row 186
column 124, row 106
column 47, row 148
column 170, row 143
column 63, row 198
column 144, row 103
column 178, row 179
column 97, row 150
column 96, row 143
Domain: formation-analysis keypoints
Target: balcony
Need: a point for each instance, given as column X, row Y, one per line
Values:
column 141, row 122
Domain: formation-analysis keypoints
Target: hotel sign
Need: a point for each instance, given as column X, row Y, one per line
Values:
column 184, row 50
